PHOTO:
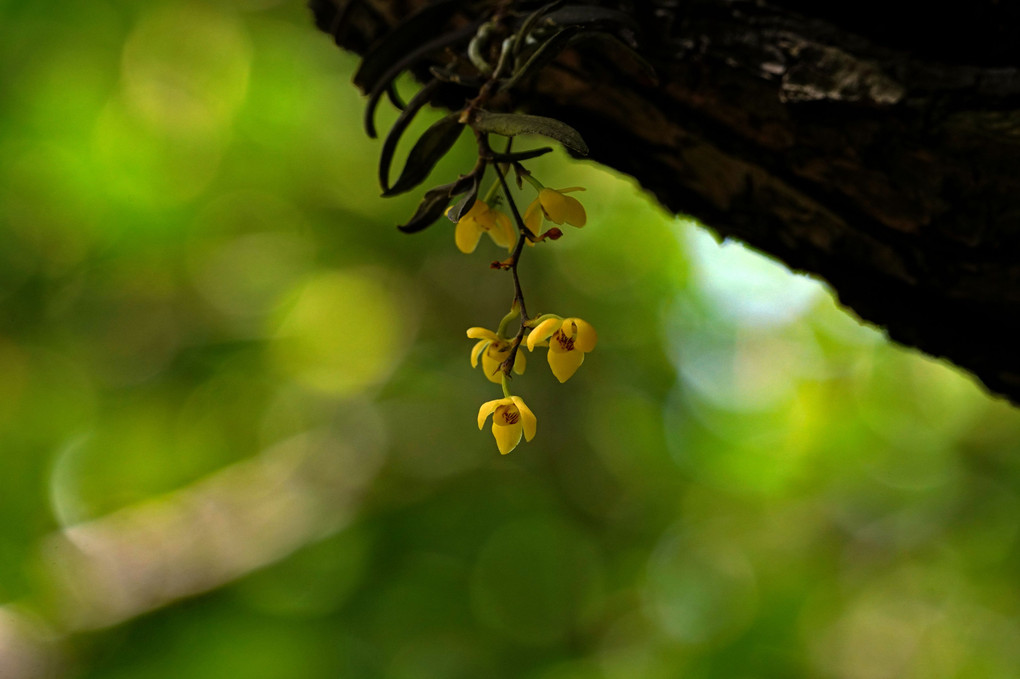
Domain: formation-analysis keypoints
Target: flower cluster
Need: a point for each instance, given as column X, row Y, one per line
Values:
column 551, row 204
column 500, row 351
column 510, row 42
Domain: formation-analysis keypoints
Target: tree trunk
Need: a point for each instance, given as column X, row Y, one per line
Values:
column 879, row 155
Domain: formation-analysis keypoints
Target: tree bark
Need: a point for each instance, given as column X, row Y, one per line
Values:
column 879, row 155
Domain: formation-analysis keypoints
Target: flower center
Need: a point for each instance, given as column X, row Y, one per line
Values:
column 511, row 416
column 566, row 343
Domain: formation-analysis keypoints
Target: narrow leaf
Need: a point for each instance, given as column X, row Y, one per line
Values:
column 520, row 39
column 464, row 204
column 416, row 30
column 431, row 208
column 430, row 147
column 433, row 205
column 638, row 62
column 512, row 124
column 403, row 120
column 544, row 54
column 587, row 15
column 448, row 75
column 519, row 156
column 394, row 97
column 329, row 18
column 409, row 59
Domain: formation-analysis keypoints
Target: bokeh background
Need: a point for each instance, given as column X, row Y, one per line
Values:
column 237, row 416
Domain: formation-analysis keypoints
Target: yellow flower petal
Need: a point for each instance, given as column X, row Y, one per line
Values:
column 520, row 362
column 586, row 337
column 528, row 419
column 481, row 333
column 533, row 217
column 543, row 331
column 560, row 208
column 507, row 437
column 502, row 230
column 564, row 363
column 488, row 408
column 478, row 349
column 491, row 361
column 512, row 232
column 467, row 234
column 478, row 208
column 573, row 212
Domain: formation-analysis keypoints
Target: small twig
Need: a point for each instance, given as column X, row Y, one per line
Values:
column 524, row 232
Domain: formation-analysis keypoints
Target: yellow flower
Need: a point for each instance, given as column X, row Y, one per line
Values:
column 556, row 207
column 510, row 418
column 569, row 339
column 483, row 219
column 493, row 350
column 533, row 217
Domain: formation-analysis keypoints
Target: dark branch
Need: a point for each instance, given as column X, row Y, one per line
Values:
column 878, row 157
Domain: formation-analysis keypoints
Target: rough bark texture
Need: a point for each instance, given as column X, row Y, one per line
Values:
column 879, row 156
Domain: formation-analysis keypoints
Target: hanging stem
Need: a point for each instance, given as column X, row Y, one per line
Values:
column 514, row 261
column 523, row 232
column 514, row 313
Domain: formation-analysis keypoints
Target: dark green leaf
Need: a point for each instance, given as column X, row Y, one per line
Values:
column 587, row 15
column 512, row 124
column 638, row 62
column 520, row 155
column 401, row 123
column 544, row 54
column 394, row 97
column 329, row 18
column 448, row 75
column 406, row 62
column 465, row 203
column 429, row 210
column 433, row 205
column 416, row 30
column 520, row 39
column 430, row 147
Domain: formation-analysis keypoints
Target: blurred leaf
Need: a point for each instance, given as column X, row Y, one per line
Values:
column 519, row 156
column 512, row 124
column 433, row 205
column 465, row 203
column 637, row 63
column 415, row 31
column 427, row 151
column 403, row 120
column 588, row 15
column 546, row 52
column 408, row 60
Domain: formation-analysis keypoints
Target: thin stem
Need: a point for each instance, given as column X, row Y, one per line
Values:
column 475, row 49
column 514, row 313
column 531, row 180
column 514, row 261
column 490, row 194
column 524, row 233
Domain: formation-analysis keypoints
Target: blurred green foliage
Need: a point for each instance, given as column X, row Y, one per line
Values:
column 237, row 412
